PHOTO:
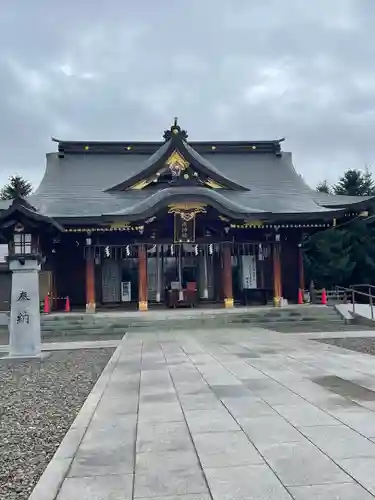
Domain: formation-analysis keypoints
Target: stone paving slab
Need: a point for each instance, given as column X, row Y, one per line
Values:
column 112, row 487
column 347, row 491
column 188, row 416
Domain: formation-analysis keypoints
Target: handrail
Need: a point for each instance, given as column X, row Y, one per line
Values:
column 353, row 292
column 363, row 284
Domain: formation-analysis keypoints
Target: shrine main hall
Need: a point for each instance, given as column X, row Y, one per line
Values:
column 176, row 223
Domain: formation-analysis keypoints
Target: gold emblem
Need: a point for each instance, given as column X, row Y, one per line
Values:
column 187, row 211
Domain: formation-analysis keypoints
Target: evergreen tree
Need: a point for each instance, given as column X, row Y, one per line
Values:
column 328, row 258
column 16, row 187
column 362, row 252
column 355, row 183
column 323, row 187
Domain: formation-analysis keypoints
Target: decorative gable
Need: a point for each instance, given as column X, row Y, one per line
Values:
column 177, row 163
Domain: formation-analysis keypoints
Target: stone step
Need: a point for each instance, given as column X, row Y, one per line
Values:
column 205, row 320
column 285, row 326
column 271, row 313
column 176, row 325
column 100, row 323
column 224, row 320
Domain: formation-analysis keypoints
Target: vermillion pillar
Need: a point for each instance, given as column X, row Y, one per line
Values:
column 277, row 287
column 90, row 282
column 227, row 277
column 142, row 278
column 301, row 271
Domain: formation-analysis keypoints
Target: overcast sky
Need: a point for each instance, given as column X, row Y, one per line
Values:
column 229, row 69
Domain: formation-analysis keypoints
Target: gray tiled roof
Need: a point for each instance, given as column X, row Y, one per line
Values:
column 75, row 186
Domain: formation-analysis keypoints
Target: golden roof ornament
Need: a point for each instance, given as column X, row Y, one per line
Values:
column 175, row 132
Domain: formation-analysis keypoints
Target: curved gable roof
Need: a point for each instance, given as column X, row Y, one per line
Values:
column 161, row 198
column 89, row 180
column 175, row 142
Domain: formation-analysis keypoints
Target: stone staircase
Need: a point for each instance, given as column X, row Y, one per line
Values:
column 119, row 322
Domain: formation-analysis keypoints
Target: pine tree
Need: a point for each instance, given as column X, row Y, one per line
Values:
column 362, row 251
column 328, row 258
column 16, row 187
column 355, row 183
column 323, row 187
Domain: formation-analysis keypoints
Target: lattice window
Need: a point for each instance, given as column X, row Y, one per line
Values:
column 22, row 244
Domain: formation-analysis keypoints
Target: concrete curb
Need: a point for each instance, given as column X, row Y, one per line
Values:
column 74, row 344
column 344, row 313
column 48, row 486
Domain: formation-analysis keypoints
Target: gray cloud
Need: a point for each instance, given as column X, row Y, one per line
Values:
column 230, row 70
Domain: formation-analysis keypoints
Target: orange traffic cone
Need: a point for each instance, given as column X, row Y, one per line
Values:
column 300, row 298
column 47, row 305
column 324, row 297
column 67, row 305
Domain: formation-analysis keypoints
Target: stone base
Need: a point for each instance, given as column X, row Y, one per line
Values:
column 143, row 305
column 228, row 303
column 91, row 307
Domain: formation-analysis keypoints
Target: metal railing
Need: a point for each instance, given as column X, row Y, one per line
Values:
column 353, row 293
column 333, row 296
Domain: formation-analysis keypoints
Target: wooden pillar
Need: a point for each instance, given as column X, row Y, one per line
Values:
column 227, row 276
column 159, row 257
column 277, row 286
column 142, row 279
column 301, row 270
column 90, row 282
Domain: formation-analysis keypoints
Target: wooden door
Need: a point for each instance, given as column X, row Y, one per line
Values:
column 111, row 279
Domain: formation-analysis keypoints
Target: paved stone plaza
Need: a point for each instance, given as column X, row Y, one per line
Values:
column 231, row 414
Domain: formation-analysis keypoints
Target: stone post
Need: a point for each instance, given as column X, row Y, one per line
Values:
column 21, row 225
column 24, row 326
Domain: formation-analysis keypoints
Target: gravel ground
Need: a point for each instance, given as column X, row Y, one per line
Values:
column 358, row 344
column 38, row 402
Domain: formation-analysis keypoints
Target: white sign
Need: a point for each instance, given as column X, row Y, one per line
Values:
column 126, row 291
column 249, row 271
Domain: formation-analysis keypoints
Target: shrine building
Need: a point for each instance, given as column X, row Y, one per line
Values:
column 176, row 223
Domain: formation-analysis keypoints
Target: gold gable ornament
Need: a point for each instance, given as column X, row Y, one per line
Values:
column 213, row 184
column 187, row 211
column 177, row 163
